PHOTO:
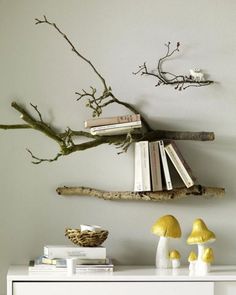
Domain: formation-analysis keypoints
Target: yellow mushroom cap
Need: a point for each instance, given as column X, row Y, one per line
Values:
column 208, row 255
column 174, row 254
column 192, row 256
column 167, row 226
column 200, row 233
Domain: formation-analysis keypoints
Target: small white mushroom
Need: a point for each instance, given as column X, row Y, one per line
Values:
column 175, row 258
column 207, row 259
column 192, row 258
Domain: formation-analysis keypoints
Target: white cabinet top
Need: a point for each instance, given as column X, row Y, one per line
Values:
column 126, row 273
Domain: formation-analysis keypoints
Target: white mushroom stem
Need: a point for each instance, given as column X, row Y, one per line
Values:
column 162, row 254
column 201, row 249
column 175, row 263
column 204, row 268
column 192, row 265
column 199, row 267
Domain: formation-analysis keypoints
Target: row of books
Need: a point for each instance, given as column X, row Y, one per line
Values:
column 114, row 125
column 54, row 259
column 151, row 166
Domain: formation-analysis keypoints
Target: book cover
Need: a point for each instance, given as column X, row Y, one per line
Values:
column 142, row 180
column 155, row 165
column 112, row 120
column 138, row 183
column 165, row 166
column 43, row 268
column 58, row 251
column 122, row 125
column 180, row 164
column 113, row 131
column 62, row 262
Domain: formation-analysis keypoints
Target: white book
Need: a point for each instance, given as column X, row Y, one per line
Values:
column 165, row 166
column 113, row 131
column 112, row 120
column 121, row 125
column 60, row 251
column 138, row 183
column 62, row 268
column 142, row 180
column 155, row 165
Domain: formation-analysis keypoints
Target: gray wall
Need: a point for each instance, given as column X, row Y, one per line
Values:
column 37, row 66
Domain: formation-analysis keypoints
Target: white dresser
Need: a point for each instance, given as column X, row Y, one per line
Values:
column 138, row 280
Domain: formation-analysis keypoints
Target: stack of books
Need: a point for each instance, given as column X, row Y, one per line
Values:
column 114, row 125
column 54, row 259
column 151, row 166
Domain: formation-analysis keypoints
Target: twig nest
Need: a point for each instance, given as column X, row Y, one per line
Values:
column 86, row 238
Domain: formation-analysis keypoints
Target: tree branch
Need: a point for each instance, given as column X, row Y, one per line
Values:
column 96, row 104
column 175, row 194
column 45, row 21
column 181, row 82
column 15, row 126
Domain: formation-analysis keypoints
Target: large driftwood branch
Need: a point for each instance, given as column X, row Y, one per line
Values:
column 175, row 194
column 95, row 102
column 67, row 146
column 181, row 82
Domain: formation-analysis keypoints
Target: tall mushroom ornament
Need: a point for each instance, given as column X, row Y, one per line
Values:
column 200, row 236
column 165, row 227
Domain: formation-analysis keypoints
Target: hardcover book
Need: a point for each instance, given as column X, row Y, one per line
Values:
column 115, row 128
column 142, row 180
column 43, row 268
column 60, row 262
column 155, row 165
column 58, row 251
column 165, row 166
column 180, row 164
column 112, row 120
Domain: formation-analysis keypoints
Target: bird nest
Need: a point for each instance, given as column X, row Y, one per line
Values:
column 86, row 238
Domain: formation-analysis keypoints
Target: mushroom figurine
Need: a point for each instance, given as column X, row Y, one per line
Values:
column 192, row 258
column 207, row 259
column 165, row 227
column 200, row 236
column 175, row 258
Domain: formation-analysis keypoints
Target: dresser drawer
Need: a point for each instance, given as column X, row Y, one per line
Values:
column 113, row 288
column 225, row 288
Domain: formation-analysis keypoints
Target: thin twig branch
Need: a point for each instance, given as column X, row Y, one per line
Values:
column 181, row 82
column 107, row 97
column 45, row 21
column 39, row 160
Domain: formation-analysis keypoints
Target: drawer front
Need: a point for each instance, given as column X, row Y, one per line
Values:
column 225, row 288
column 114, row 288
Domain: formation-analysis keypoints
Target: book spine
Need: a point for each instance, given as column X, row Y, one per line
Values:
column 113, row 131
column 112, row 120
column 145, row 166
column 138, row 184
column 122, row 125
column 87, row 253
column 179, row 165
column 165, row 166
column 156, row 179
